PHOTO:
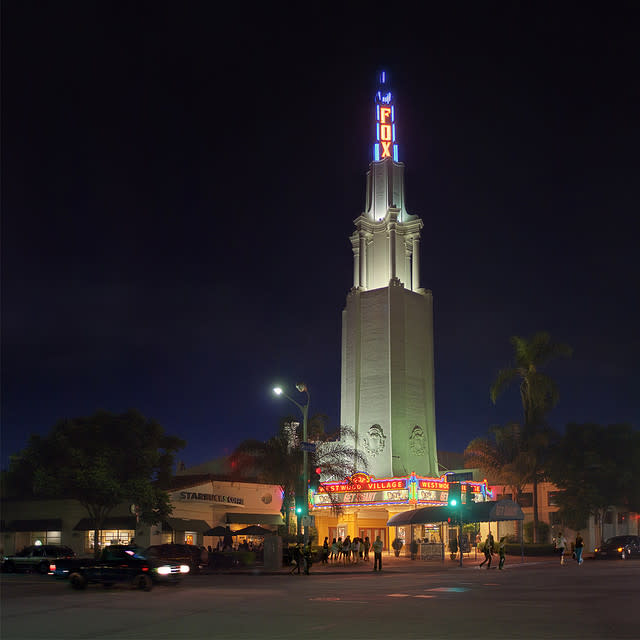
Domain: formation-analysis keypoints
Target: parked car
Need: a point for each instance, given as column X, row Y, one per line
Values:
column 189, row 554
column 36, row 557
column 118, row 564
column 624, row 547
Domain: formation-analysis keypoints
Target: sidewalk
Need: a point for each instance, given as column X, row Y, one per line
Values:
column 391, row 564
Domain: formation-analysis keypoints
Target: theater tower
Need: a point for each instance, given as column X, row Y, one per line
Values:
column 387, row 385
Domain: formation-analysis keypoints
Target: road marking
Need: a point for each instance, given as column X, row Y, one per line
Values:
column 398, row 595
column 425, row 596
column 449, row 589
column 327, row 599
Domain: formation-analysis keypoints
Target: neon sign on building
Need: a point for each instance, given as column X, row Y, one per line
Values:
column 362, row 489
column 385, row 145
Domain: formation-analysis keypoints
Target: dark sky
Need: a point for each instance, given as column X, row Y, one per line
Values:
column 179, row 187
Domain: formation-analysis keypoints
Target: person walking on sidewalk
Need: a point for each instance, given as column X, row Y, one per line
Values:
column 377, row 554
column 579, row 546
column 562, row 543
column 488, row 550
column 502, row 550
column 297, row 558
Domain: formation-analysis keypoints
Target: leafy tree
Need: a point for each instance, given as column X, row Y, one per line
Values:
column 502, row 456
column 101, row 461
column 538, row 393
column 596, row 467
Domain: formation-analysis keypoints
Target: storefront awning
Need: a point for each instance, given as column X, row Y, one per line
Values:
column 120, row 523
column 187, row 524
column 52, row 524
column 477, row 512
column 254, row 518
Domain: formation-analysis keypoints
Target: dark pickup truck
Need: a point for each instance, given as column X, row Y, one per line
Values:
column 118, row 564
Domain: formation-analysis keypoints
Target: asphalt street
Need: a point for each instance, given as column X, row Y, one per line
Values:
column 537, row 599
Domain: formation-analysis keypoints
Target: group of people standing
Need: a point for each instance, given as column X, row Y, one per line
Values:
column 351, row 551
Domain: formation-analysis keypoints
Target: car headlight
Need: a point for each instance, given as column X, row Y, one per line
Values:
column 619, row 549
column 163, row 571
column 184, row 568
column 595, row 550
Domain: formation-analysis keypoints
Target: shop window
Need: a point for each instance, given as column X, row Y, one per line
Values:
column 108, row 537
column 526, row 500
column 190, row 537
column 552, row 498
column 45, row 537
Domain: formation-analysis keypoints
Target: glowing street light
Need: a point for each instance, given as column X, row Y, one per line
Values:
column 304, row 409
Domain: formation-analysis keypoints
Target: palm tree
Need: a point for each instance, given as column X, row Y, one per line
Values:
column 538, row 393
column 279, row 460
column 501, row 456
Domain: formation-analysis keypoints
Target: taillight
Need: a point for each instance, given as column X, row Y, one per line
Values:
column 52, row 567
column 145, row 568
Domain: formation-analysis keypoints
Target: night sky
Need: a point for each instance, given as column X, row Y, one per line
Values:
column 179, row 187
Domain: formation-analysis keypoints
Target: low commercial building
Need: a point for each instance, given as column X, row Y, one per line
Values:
column 199, row 502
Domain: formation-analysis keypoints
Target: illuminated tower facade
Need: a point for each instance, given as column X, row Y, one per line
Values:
column 387, row 385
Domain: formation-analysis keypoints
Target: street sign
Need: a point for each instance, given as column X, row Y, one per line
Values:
column 310, row 447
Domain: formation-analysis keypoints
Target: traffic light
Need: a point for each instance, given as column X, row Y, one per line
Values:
column 454, row 499
column 314, row 478
column 302, row 505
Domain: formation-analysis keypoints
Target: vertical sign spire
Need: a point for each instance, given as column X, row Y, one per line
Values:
column 385, row 145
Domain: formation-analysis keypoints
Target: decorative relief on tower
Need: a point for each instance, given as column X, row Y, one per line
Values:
column 374, row 441
column 417, row 441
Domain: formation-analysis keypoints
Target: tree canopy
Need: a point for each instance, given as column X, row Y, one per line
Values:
column 101, row 461
column 279, row 460
column 596, row 467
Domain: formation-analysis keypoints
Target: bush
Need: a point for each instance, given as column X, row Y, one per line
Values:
column 543, row 532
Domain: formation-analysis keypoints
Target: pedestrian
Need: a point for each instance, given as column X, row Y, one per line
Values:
column 335, row 549
column 306, row 557
column 355, row 549
column 579, row 546
column 562, row 543
column 414, row 549
column 297, row 558
column 488, row 550
column 377, row 554
column 502, row 549
column 366, row 547
column 325, row 551
column 346, row 549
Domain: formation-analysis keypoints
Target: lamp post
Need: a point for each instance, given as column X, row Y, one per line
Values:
column 304, row 409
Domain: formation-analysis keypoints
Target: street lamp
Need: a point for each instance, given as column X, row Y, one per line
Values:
column 304, row 409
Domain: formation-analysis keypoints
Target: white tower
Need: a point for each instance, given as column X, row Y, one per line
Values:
column 387, row 389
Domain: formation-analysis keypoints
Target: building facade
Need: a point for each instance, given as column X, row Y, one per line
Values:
column 387, row 379
column 200, row 502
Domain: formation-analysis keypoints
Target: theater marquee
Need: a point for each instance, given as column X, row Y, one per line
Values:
column 362, row 489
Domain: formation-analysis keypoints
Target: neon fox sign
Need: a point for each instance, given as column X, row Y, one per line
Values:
column 385, row 145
